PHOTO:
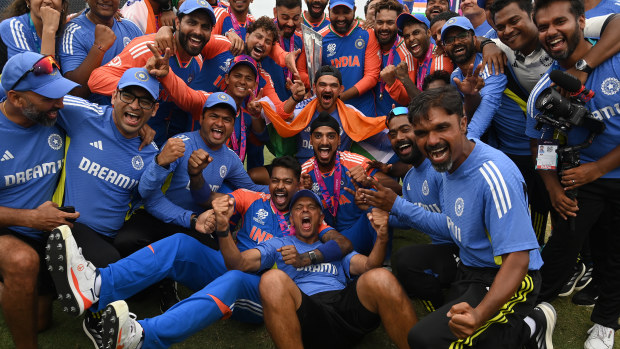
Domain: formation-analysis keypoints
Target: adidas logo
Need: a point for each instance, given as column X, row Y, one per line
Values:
column 7, row 156
column 97, row 145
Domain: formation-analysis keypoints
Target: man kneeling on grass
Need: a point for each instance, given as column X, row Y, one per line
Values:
column 314, row 306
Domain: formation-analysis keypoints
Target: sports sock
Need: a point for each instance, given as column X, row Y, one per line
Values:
column 532, row 324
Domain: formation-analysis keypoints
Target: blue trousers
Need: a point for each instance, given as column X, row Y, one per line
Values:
column 182, row 258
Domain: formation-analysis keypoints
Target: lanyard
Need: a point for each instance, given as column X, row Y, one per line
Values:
column 390, row 61
column 332, row 201
column 35, row 36
column 423, row 69
column 285, row 228
column 291, row 48
column 235, row 22
column 233, row 137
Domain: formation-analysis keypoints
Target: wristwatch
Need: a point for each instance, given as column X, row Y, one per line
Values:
column 193, row 221
column 583, row 66
column 222, row 234
column 312, row 256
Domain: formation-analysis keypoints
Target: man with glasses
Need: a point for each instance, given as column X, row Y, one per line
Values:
column 481, row 104
column 31, row 158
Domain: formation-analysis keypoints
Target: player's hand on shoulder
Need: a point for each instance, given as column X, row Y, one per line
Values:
column 173, row 149
column 147, row 134
column 47, row 217
column 167, row 18
column 237, row 44
column 198, row 161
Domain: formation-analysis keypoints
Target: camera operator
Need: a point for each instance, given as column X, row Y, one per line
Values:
column 560, row 24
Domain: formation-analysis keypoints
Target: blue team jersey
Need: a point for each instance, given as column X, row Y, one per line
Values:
column 313, row 278
column 422, row 186
column 348, row 212
column 276, row 72
column 317, row 27
column 604, row 8
column 491, row 95
column 304, row 147
column 211, row 78
column 482, row 29
column 30, row 164
column 103, row 168
column 491, row 34
column 19, row 35
column 177, row 205
column 605, row 106
column 485, row 210
column 348, row 54
column 509, row 123
column 254, row 141
column 384, row 101
column 259, row 221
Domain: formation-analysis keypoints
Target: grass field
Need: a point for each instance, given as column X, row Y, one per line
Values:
column 570, row 332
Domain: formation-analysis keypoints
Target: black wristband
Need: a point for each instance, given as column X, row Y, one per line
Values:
column 297, row 101
column 193, row 221
column 167, row 7
column 222, row 234
column 485, row 42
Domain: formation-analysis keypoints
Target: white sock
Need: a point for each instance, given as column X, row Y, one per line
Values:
column 97, row 287
column 532, row 324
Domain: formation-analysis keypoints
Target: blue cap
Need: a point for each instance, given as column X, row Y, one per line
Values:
column 189, row 6
column 305, row 193
column 406, row 17
column 460, row 22
column 220, row 98
column 52, row 85
column 482, row 3
column 140, row 77
column 348, row 3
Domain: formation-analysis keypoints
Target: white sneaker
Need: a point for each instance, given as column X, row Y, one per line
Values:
column 73, row 275
column 600, row 337
column 120, row 328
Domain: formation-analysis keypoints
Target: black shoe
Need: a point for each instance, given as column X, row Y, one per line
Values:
column 587, row 297
column 169, row 295
column 545, row 317
column 92, row 327
column 585, row 279
column 578, row 272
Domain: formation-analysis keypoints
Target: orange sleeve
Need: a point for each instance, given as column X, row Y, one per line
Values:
column 372, row 65
column 216, row 45
column 302, row 68
column 398, row 92
column 442, row 62
column 278, row 54
column 269, row 91
column 104, row 79
column 244, row 198
column 183, row 96
column 220, row 15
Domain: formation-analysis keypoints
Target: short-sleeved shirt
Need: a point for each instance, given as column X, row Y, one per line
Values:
column 259, row 219
column 276, row 72
column 604, row 7
column 605, row 106
column 18, row 35
column 313, row 278
column 304, row 147
column 223, row 22
column 384, row 101
column 317, row 27
column 103, row 168
column 348, row 212
column 31, row 159
column 217, row 59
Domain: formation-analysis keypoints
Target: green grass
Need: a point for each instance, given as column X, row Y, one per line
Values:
column 66, row 332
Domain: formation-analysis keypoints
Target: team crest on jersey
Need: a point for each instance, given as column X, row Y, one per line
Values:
column 54, row 141
column 126, row 41
column 610, row 86
column 360, row 43
column 190, row 78
column 546, row 60
column 315, row 188
column 331, row 49
column 425, row 189
column 260, row 216
column 223, row 171
column 459, row 206
column 137, row 162
column 226, row 65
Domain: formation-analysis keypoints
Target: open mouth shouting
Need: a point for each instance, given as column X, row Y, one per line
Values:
column 440, row 156
column 217, row 134
column 306, row 222
column 327, row 98
column 556, row 44
column 257, row 52
column 280, row 199
column 131, row 119
column 404, row 148
column 324, row 153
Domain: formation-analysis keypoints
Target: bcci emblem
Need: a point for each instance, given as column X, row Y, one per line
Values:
column 202, row 3
column 610, row 86
column 142, row 76
column 451, row 20
column 459, row 206
column 360, row 43
column 260, row 216
column 54, row 141
column 137, row 162
column 331, row 49
column 126, row 41
column 223, row 97
column 425, row 190
column 223, row 171
column 546, row 60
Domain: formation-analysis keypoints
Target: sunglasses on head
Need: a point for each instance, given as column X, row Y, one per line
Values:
column 44, row 65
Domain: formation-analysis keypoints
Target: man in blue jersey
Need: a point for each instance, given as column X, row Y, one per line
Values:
column 32, row 152
column 485, row 212
column 476, row 15
column 315, row 16
column 560, row 25
column 423, row 270
column 91, row 40
column 314, row 305
column 193, row 264
column 435, row 7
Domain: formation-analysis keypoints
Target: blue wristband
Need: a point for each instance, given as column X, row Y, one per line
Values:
column 331, row 251
column 202, row 195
